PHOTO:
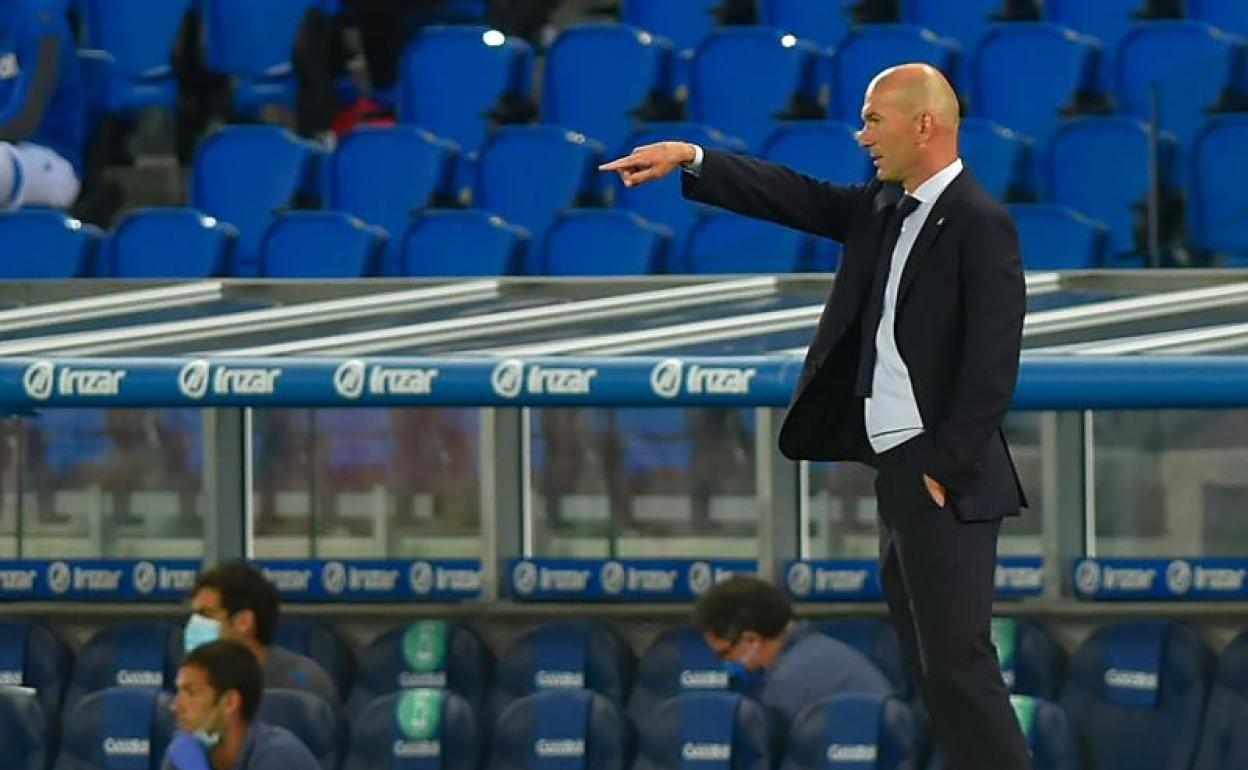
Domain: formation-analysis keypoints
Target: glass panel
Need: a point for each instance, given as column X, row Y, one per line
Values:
column 841, row 521
column 11, row 432
column 367, row 483
column 644, row 482
column 1171, row 483
column 110, row 483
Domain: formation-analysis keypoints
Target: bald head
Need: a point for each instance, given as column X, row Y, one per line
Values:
column 910, row 123
column 917, row 88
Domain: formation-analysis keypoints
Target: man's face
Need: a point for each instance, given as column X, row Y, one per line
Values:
column 195, row 699
column 889, row 134
column 207, row 602
column 743, row 649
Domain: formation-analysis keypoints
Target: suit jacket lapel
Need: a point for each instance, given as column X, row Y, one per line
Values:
column 932, row 228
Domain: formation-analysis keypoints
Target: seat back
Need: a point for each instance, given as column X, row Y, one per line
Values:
column 1054, row 237
column 854, row 730
column 678, row 660
column 42, row 243
column 705, row 730
column 462, row 242
column 238, row 41
column 24, row 730
column 605, row 242
column 870, row 48
column 998, row 157
column 563, row 729
column 420, row 729
column 119, row 728
column 730, row 243
column 1106, row 20
column 877, row 640
column 125, row 654
column 1030, row 658
column 310, row 718
column 824, row 22
column 686, row 23
column 320, row 244
column 318, row 640
column 966, row 21
column 139, row 245
column 1224, row 734
column 140, row 34
column 1217, row 220
column 1228, row 15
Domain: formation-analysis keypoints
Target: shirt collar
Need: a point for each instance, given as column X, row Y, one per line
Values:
column 930, row 190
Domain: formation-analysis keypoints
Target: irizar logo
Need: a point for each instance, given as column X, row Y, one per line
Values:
column 42, row 378
column 126, row 747
column 420, row 577
column 1088, row 577
column 524, row 578
column 851, row 752
column 801, row 579
column 352, row 378
column 559, row 680
column 1019, row 578
column 140, row 678
column 706, row 752
column 193, row 378
column 144, row 577
column 720, row 380
column 1179, row 577
column 613, row 577
column 289, row 580
column 196, row 378
column 60, row 577
column 841, row 581
column 1131, row 680
column 37, row 380
column 706, row 679
column 334, row 577
column 559, row 747
column 665, row 378
column 509, row 379
column 701, row 577
column 18, row 579
column 415, row 749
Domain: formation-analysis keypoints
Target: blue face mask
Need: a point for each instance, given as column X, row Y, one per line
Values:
column 200, row 630
column 741, row 676
column 209, row 734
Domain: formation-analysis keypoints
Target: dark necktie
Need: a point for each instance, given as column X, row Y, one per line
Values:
column 874, row 309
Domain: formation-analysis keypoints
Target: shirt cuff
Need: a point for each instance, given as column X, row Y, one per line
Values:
column 694, row 166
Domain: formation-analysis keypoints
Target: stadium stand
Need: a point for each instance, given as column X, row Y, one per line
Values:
column 677, row 660
column 139, row 245
column 41, row 243
column 24, row 727
column 140, row 36
column 723, row 242
column 1223, row 739
column 33, row 657
column 624, row 244
column 416, row 728
column 572, row 725
column 1055, row 237
column 999, row 158
column 1216, row 219
column 870, row 48
column 854, row 730
column 712, row 726
column 141, row 654
column 320, row 244
column 462, row 243
column 116, row 727
column 685, row 24
column 824, row 23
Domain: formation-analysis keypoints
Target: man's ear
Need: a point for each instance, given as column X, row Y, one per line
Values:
column 232, row 704
column 244, row 622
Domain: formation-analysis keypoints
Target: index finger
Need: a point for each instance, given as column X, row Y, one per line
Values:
column 627, row 161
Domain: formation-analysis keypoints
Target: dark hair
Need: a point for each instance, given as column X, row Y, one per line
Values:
column 743, row 603
column 230, row 666
column 243, row 587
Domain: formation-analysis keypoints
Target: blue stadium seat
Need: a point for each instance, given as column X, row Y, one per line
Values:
column 98, row 71
column 744, row 78
column 1134, row 694
column 1106, row 20
column 720, row 729
column 1190, row 64
column 244, row 175
column 567, row 654
column 605, row 242
column 489, row 68
column 319, row 641
column 512, row 162
column 870, row 48
column 1054, row 237
column 678, row 660
column 33, row 656
column 1100, row 167
column 459, row 242
column 1228, row 15
column 1047, row 731
column 660, row 201
column 42, row 243
column 998, row 157
column 876, row 639
column 1010, row 89
column 1224, row 734
column 127, row 654
column 140, row 35
column 723, row 242
column 686, row 24
column 126, row 728
column 384, row 175
column 965, row 21
column 425, row 653
column 419, row 729
column 24, row 730
column 316, row 722
column 255, row 49
column 1216, row 218
column 321, row 244
column 825, row 22
column 1031, row 659
column 575, row 726
column 139, row 245
column 859, row 730
column 599, row 75
column 652, row 440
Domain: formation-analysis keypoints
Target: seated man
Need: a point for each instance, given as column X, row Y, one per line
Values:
column 42, row 106
column 783, row 662
column 236, row 601
column 219, row 688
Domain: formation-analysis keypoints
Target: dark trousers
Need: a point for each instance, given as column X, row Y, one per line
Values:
column 938, row 578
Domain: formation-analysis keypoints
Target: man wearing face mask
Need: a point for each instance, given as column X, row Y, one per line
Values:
column 236, row 601
column 219, row 688
column 782, row 661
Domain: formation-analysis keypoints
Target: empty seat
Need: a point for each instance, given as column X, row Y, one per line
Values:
column 1134, row 694
column 1190, row 65
column 966, row 21
column 1106, row 20
column 1224, row 734
column 713, row 727
column 1228, row 15
column 558, row 655
column 310, row 718
column 678, row 660
column 823, row 22
column 686, row 23
column 126, row 654
column 385, row 175
column 140, row 35
column 416, row 728
column 1216, row 216
column 254, row 49
column 318, row 640
column 458, row 242
column 516, row 158
column 489, row 68
column 42, row 243
column 998, row 157
column 744, row 79
column 244, row 175
column 599, row 76
column 1030, row 658
column 876, row 639
column 660, row 201
column 320, row 244
column 32, row 656
column 139, row 246
column 1010, row 89
column 1054, row 237
column 605, row 242
column 1047, row 732
column 870, row 48
column 424, row 653
column 23, row 730
column 577, row 727
column 860, row 730
column 121, row 727
column 1100, row 168
column 723, row 242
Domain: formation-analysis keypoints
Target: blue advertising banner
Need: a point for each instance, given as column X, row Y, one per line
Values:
column 103, row 579
column 624, row 580
column 858, row 580
column 376, row 580
column 1195, row 579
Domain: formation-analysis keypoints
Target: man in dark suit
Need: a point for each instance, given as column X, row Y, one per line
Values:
column 911, row 371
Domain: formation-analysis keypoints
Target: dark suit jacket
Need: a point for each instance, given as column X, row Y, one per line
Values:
column 960, row 309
